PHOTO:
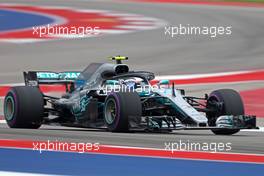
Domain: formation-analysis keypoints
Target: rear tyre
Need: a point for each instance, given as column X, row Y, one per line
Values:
column 120, row 108
column 232, row 104
column 24, row 107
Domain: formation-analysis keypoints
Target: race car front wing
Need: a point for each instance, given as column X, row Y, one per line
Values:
column 159, row 123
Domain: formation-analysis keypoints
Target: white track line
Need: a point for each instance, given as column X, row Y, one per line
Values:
column 261, row 129
column 21, row 41
column 2, row 121
column 203, row 75
column 21, row 174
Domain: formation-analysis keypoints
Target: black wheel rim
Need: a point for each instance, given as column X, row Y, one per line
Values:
column 9, row 108
column 110, row 111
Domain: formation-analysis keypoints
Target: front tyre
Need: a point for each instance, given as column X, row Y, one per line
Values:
column 120, row 108
column 24, row 107
column 225, row 102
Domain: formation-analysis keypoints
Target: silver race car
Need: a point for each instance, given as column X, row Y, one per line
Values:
column 112, row 97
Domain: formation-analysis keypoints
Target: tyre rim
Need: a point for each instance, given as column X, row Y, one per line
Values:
column 9, row 108
column 110, row 111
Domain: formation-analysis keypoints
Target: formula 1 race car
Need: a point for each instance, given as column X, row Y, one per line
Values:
column 111, row 96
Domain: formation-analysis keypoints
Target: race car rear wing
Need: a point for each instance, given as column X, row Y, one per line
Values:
column 35, row 78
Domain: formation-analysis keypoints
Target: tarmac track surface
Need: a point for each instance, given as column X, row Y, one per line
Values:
column 147, row 50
